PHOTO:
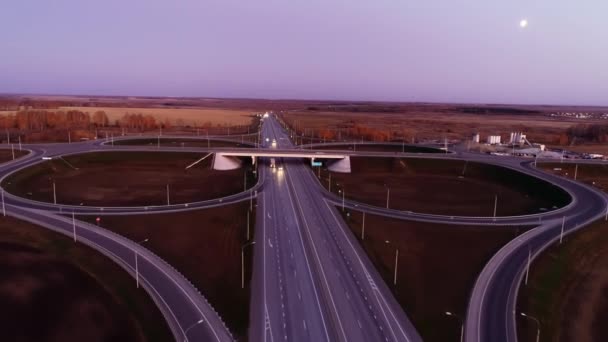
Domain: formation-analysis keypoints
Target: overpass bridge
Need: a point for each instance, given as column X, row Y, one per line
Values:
column 230, row 160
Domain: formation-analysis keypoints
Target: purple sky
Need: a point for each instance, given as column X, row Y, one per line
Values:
column 403, row 50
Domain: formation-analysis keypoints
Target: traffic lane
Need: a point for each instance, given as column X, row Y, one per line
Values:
column 348, row 309
column 308, row 319
column 375, row 297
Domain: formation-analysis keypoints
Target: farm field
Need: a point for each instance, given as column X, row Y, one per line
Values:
column 444, row 187
column 126, row 179
column 49, row 281
column 205, row 246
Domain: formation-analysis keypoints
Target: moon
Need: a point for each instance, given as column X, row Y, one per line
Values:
column 523, row 23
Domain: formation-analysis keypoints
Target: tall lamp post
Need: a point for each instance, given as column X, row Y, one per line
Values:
column 388, row 193
column 396, row 263
column 137, row 265
column 451, row 314
column 537, row 324
column 243, row 263
column 190, row 327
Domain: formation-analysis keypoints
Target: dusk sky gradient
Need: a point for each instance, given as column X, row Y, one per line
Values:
column 399, row 50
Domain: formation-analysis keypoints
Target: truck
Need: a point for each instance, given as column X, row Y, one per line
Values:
column 274, row 143
column 272, row 163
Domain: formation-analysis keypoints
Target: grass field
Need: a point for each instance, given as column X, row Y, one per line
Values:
column 205, row 246
column 52, row 289
column 438, row 265
column 592, row 174
column 568, row 289
column 126, row 179
column 7, row 155
column 444, row 187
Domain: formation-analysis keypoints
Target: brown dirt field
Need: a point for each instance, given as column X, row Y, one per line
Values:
column 205, row 245
column 435, row 122
column 438, row 187
column 593, row 174
column 568, row 290
column 587, row 148
column 430, row 256
column 7, row 155
column 54, row 290
column 126, row 179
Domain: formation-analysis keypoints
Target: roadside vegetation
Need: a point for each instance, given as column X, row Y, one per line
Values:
column 447, row 187
column 568, row 289
column 437, row 266
column 6, row 155
column 205, row 246
column 127, row 179
column 52, row 289
column 568, row 283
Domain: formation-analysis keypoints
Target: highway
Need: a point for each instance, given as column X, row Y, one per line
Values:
column 317, row 284
column 311, row 280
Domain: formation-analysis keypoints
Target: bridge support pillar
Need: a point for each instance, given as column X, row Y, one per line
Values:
column 221, row 162
column 340, row 165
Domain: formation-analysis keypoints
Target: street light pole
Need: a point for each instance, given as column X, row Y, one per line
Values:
column 396, row 265
column 388, row 192
column 243, row 263
column 168, row 201
column 495, row 205
column 54, row 194
column 537, row 324
column 575, row 171
column 561, row 234
column 528, row 266
column 448, row 313
column 363, row 228
column 74, row 225
column 3, row 207
column 192, row 326
column 137, row 265
column 329, row 183
column 248, row 225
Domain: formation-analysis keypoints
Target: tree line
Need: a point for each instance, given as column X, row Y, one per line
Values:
column 41, row 120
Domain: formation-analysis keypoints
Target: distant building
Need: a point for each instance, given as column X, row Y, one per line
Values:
column 493, row 139
column 517, row 138
column 476, row 138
